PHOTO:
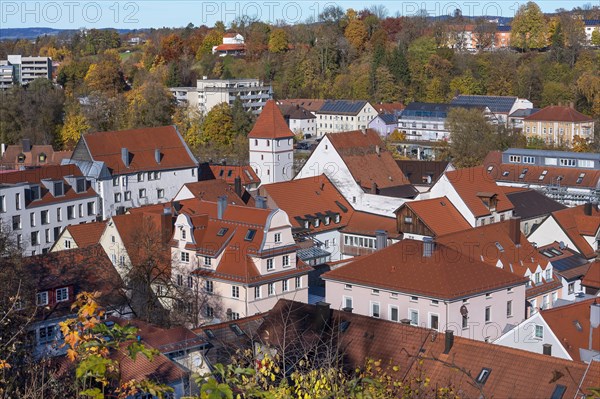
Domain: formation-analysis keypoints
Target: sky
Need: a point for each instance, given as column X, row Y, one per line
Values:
column 72, row 14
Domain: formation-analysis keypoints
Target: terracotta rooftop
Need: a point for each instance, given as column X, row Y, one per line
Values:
column 565, row 261
column 447, row 274
column 365, row 223
column 319, row 196
column 230, row 172
column 539, row 175
column 469, row 182
column 37, row 155
column 439, row 215
column 592, row 277
column 571, row 326
column 559, row 114
column 54, row 172
column 576, row 224
column 312, row 105
column 86, row 234
column 166, row 339
column 388, row 108
column 231, row 47
column 367, row 158
column 141, row 145
column 270, row 124
column 211, row 190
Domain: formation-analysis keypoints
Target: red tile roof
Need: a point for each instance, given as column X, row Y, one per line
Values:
column 318, row 195
column 576, row 224
column 54, row 172
column 447, row 274
column 365, row 223
column 211, row 190
column 469, row 182
column 141, row 144
column 308, row 104
column 388, row 108
column 592, row 277
column 439, row 215
column 231, row 47
column 270, row 124
column 230, row 172
column 571, row 325
column 86, row 234
column 556, row 113
column 368, row 159
column 159, row 369
column 32, row 158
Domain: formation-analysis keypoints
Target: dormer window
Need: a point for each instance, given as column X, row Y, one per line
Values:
column 80, row 185
column 59, row 189
column 306, row 224
column 317, row 222
column 327, row 220
column 337, row 218
column 222, row 231
column 21, row 158
column 183, row 234
column 35, row 193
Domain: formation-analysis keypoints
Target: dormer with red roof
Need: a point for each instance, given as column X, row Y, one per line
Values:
column 244, row 255
column 271, row 144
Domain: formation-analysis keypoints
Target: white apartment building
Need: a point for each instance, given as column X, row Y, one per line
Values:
column 27, row 69
column 252, row 92
column 130, row 168
column 37, row 204
column 336, row 116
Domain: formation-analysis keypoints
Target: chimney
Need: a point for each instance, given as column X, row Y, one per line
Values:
column 374, row 188
column 587, row 209
column 428, row 247
column 166, row 222
column 514, row 230
column 2, row 150
column 449, row 341
column 377, row 150
column 157, row 155
column 381, row 238
column 221, row 206
column 261, row 202
column 547, row 349
column 237, row 185
column 364, row 131
column 322, row 316
column 125, row 156
column 26, row 144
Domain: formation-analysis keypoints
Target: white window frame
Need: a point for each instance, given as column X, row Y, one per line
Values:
column 390, row 308
column 235, row 291
column 410, row 314
column 258, row 292
column 271, row 289
column 535, row 332
column 44, row 301
column 270, row 264
column 429, row 314
column 371, row 306
column 285, row 261
column 62, row 294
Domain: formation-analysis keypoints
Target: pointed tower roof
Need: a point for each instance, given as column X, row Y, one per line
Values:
column 270, row 124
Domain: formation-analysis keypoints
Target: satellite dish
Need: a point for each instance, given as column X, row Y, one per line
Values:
column 561, row 245
column 464, row 311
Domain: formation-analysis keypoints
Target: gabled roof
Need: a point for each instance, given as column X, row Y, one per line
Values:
column 211, row 190
column 10, row 157
column 342, row 107
column 230, row 34
column 86, row 234
column 446, row 274
column 367, row 158
column 523, row 112
column 592, row 277
column 496, row 104
column 532, row 204
column 295, row 112
column 540, row 175
column 270, row 124
column 388, row 119
column 576, row 224
column 312, row 105
column 571, row 325
column 166, row 339
column 230, row 172
column 230, row 47
column 416, row 171
column 565, row 261
column 556, row 113
column 493, row 242
column 365, row 223
column 141, row 145
column 439, row 215
column 318, row 196
column 469, row 182
column 388, row 108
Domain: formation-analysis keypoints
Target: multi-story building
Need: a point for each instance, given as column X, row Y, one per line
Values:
column 244, row 256
column 500, row 107
column 591, row 25
column 233, row 44
column 271, row 144
column 37, row 204
column 130, row 168
column 474, row 194
column 252, row 92
column 6, row 75
column 26, row 69
column 430, row 285
column 558, row 125
column 384, row 124
column 185, row 96
column 571, row 178
column 336, row 116
column 300, row 120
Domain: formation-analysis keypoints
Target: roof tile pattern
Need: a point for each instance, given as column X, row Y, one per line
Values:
column 270, row 124
column 439, row 215
column 556, row 113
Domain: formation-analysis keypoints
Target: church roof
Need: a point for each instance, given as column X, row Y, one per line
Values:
column 270, row 124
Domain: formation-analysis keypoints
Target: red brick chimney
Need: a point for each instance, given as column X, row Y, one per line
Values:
column 514, row 230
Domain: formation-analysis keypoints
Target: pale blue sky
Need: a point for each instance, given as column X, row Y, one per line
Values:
column 71, row 14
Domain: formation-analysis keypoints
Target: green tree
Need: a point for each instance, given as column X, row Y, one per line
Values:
column 529, row 28
column 472, row 137
column 213, row 38
column 278, row 41
column 398, row 65
column 385, row 87
column 596, row 37
column 556, row 93
column 150, row 104
column 217, row 127
column 243, row 120
column 465, row 84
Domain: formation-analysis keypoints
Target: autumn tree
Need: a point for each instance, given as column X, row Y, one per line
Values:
column 189, row 123
column 529, row 28
column 472, row 137
column 217, row 127
column 171, row 47
column 595, row 38
column 106, row 75
column 278, row 41
column 74, row 127
column 150, row 104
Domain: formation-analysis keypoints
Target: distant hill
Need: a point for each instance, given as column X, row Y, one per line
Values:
column 32, row 33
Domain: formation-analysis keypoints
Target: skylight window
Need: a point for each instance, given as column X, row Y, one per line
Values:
column 559, row 391
column 236, row 329
column 210, row 334
column 544, row 173
column 499, row 246
column 580, row 178
column 222, row 231
column 344, row 325
column 221, row 173
column 250, row 234
column 556, row 251
column 548, row 254
column 483, row 375
column 490, row 168
column 523, row 173
column 229, row 173
column 505, row 173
